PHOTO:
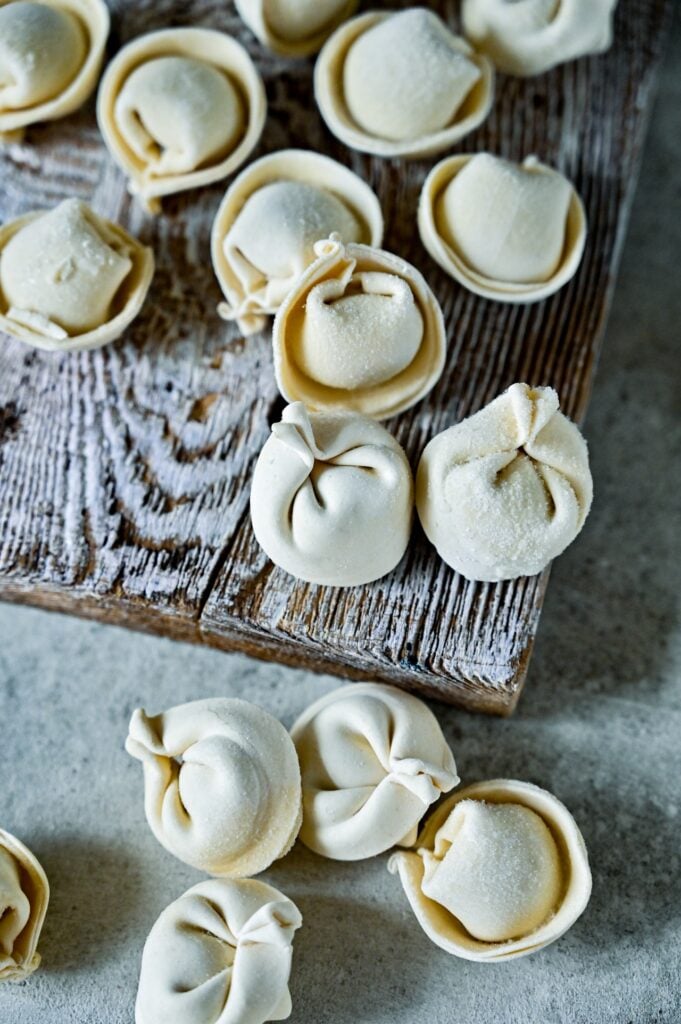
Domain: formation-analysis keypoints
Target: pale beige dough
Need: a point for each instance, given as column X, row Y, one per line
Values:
column 294, row 28
column 24, row 895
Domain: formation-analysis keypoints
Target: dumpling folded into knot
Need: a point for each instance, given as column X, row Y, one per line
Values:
column 220, row 954
column 24, row 895
column 294, row 28
column 372, row 759
column 505, row 491
column 332, row 498
column 221, row 784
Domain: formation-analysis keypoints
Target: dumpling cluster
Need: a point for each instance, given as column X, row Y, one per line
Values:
column 510, row 232
column 401, row 84
column 24, row 895
column 269, row 220
column 505, row 491
column 360, row 330
column 294, row 28
column 332, row 498
column 50, row 56
column 70, row 279
column 180, row 108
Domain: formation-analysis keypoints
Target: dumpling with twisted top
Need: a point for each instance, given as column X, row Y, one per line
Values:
column 504, row 492
column 372, row 759
column 220, row 954
column 24, row 895
column 221, row 784
column 294, row 28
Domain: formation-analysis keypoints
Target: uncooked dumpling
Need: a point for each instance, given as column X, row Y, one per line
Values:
column 505, row 491
column 24, row 895
column 221, row 784
column 331, row 500
column 294, row 28
column 372, row 759
column 220, row 954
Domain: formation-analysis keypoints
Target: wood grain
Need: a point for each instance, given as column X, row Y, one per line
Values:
column 124, row 473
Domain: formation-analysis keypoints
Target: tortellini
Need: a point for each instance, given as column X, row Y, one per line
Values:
column 50, row 56
column 510, row 232
column 265, row 229
column 221, row 784
column 372, row 759
column 505, row 491
column 498, row 871
column 527, row 37
column 294, row 28
column 220, row 954
column 332, row 498
column 361, row 330
column 70, row 279
column 24, row 895
column 401, row 84
column 180, row 108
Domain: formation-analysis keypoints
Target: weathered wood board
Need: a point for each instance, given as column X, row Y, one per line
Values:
column 124, row 473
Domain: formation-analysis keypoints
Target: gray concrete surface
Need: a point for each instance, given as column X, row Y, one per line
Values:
column 600, row 725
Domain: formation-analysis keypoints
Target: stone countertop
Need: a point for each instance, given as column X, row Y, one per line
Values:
column 599, row 725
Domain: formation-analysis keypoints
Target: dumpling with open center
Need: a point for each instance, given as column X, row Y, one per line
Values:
column 294, row 28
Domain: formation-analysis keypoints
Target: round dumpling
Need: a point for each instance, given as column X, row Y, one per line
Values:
column 505, row 491
column 24, row 895
column 220, row 954
column 360, row 330
column 269, row 220
column 221, row 784
column 498, row 871
column 331, row 500
column 528, row 37
column 401, row 84
column 372, row 760
column 70, row 279
column 294, row 28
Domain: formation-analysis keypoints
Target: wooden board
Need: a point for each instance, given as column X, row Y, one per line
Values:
column 124, row 473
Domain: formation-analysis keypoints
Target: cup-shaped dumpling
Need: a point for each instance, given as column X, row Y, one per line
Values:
column 70, row 279
column 498, row 871
column 510, row 232
column 220, row 954
column 294, row 28
column 505, row 491
column 221, row 784
column 360, row 330
column 401, row 84
column 269, row 220
column 373, row 759
column 180, row 108
column 50, row 56
column 530, row 36
column 332, row 498
column 24, row 895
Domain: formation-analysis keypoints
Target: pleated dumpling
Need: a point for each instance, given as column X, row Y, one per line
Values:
column 505, row 491
column 498, row 871
column 24, row 895
column 360, row 330
column 294, row 28
column 332, row 498
column 221, row 784
column 401, row 84
column 220, row 954
column 269, row 220
column 530, row 36
column 50, row 56
column 373, row 759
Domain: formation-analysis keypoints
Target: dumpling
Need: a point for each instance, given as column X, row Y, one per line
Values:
column 180, row 108
column 373, row 759
column 220, row 954
column 294, row 28
column 50, row 56
column 70, row 279
column 401, row 84
column 272, row 214
column 360, row 330
column 505, row 491
column 498, row 871
column 510, row 232
column 528, row 37
column 221, row 784
column 332, row 498
column 24, row 895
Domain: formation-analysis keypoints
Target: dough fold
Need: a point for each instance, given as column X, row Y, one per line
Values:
column 24, row 895
column 294, row 28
